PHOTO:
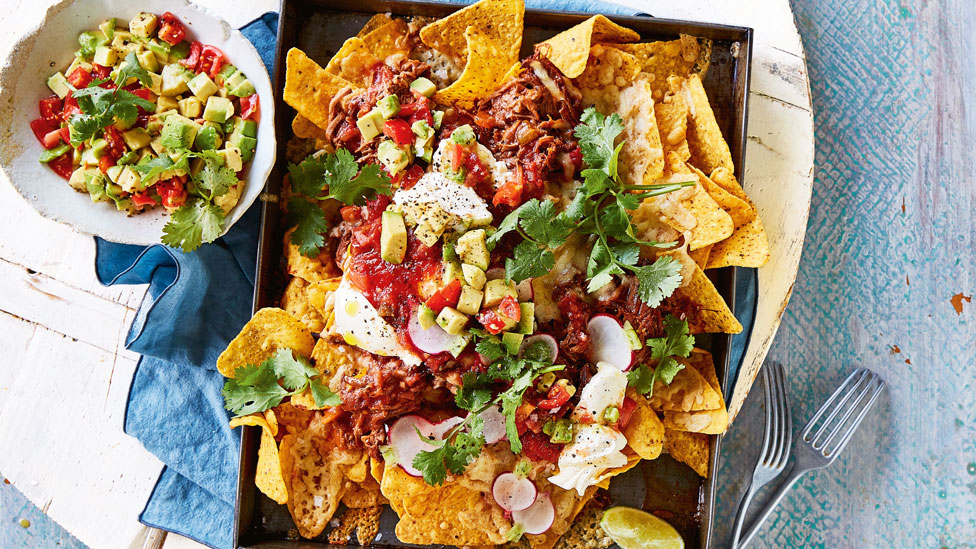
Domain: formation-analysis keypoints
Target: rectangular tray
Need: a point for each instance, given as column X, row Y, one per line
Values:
column 319, row 27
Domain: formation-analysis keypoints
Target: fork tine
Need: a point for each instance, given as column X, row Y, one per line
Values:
column 836, row 450
column 843, row 391
column 767, row 399
column 773, row 420
column 846, row 405
column 786, row 425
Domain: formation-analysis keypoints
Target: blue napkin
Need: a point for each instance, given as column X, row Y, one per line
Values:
column 195, row 305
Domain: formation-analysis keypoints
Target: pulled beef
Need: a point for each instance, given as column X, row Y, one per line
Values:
column 574, row 344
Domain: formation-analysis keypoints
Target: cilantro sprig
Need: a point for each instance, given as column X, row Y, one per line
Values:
column 256, row 388
column 319, row 178
column 463, row 443
column 200, row 219
column 599, row 209
column 677, row 342
column 100, row 107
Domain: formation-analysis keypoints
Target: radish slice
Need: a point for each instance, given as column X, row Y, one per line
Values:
column 438, row 429
column 406, row 443
column 610, row 343
column 512, row 492
column 543, row 348
column 494, row 427
column 433, row 340
column 537, row 519
column 525, row 291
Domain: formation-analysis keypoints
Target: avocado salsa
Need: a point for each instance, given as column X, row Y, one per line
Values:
column 144, row 117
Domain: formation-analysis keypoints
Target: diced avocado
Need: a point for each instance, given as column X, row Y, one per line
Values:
column 393, row 157
column 88, row 157
column 123, row 43
column 164, row 104
column 496, row 290
column 130, row 157
column 462, row 135
column 219, row 109
column 143, row 24
column 426, row 316
column 244, row 89
column 160, row 49
column 245, row 127
column 207, row 139
column 393, row 237
column 157, row 145
column 148, row 61
column 75, row 63
column 233, row 158
column 202, row 86
column 423, row 131
column 108, row 28
column 191, row 107
column 136, row 138
column 81, row 176
column 130, row 181
column 58, row 84
column 473, row 276
column 89, row 41
column 438, row 119
column 235, row 79
column 527, row 321
column 247, row 145
column 470, row 300
column 99, row 147
column 512, row 342
column 389, row 106
column 370, row 124
column 226, row 72
column 472, row 249
column 178, row 132
column 157, row 83
column 113, row 173
column 452, row 320
column 105, row 56
column 452, row 271
column 96, row 189
column 447, row 251
column 48, row 155
column 459, row 343
column 423, row 86
column 425, row 154
column 179, row 51
column 175, row 80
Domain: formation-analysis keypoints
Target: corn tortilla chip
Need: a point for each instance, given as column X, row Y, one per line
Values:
column 268, row 330
column 712, row 222
column 739, row 210
column 586, row 533
column 309, row 88
column 353, row 62
column 687, row 392
column 712, row 422
column 364, row 521
column 295, row 300
column 570, row 50
column 608, row 70
column 641, row 159
column 748, row 246
column 486, row 69
column 710, row 313
column 645, row 432
column 292, row 419
column 700, row 256
column 672, row 122
column 374, row 23
column 304, row 128
column 566, row 504
column 708, row 148
column 388, row 39
column 689, row 448
column 316, row 484
column 499, row 20
column 363, row 494
column 268, row 475
column 662, row 59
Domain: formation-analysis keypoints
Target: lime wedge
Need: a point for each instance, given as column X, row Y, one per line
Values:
column 636, row 529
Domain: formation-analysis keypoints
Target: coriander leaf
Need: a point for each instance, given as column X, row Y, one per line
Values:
column 370, row 181
column 308, row 177
column 473, row 394
column 130, row 68
column 510, row 404
column 577, row 209
column 657, row 281
column 641, row 378
column 595, row 181
column 667, row 369
column 528, row 261
column 322, row 394
column 431, row 464
column 465, row 447
column 293, row 372
column 125, row 97
column 490, row 347
column 510, row 223
column 85, row 126
column 614, row 220
column 596, row 135
column 215, row 179
column 310, row 224
column 540, row 222
column 628, row 201
column 600, row 267
column 676, row 342
column 253, row 389
column 192, row 224
column 626, row 254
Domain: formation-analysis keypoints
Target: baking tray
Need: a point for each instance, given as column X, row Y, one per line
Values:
column 319, row 27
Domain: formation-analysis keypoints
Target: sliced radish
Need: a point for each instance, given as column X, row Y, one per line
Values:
column 406, row 443
column 494, row 427
column 433, row 340
column 537, row 519
column 438, row 429
column 525, row 291
column 540, row 343
column 609, row 342
column 512, row 492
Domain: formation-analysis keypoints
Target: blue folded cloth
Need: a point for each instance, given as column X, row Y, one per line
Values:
column 195, row 305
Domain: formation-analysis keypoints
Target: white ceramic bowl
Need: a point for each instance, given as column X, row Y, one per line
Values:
column 49, row 48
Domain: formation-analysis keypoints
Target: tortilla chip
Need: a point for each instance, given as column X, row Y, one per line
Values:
column 309, row 88
column 268, row 475
column 295, row 300
column 268, row 330
column 311, row 269
column 687, row 392
column 272, row 419
column 665, row 58
column 304, row 128
column 363, row 494
column 645, row 432
column 739, row 210
column 608, row 70
column 374, row 23
column 570, row 50
column 316, row 484
column 388, row 39
column 566, row 504
column 364, row 521
column 748, row 246
column 700, row 256
column 487, row 66
column 710, row 313
column 712, row 222
column 353, row 62
column 292, row 419
column 672, row 122
column 712, row 422
column 641, row 159
column 586, row 533
column 708, row 148
column 689, row 448
column 499, row 20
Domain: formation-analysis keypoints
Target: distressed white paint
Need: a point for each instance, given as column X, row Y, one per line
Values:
column 94, row 480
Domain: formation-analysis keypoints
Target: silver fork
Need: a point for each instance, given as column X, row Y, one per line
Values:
column 776, row 440
column 821, row 442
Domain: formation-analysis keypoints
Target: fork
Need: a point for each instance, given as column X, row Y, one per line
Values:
column 776, row 440
column 819, row 446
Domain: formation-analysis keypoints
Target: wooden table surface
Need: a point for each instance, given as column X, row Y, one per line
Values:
column 889, row 241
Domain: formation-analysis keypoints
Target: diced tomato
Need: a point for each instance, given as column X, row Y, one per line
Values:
column 411, row 176
column 522, row 414
column 249, row 107
column 350, row 213
column 79, row 78
column 41, row 128
column 409, row 109
column 423, row 113
column 510, row 308
column 626, row 412
column 171, row 29
column 445, row 297
column 143, row 93
column 106, row 162
column 65, row 134
column 193, row 59
column 98, row 71
column 50, row 108
column 538, row 447
column 71, row 108
column 510, row 192
column 52, row 139
column 399, row 131
column 62, row 165
column 347, row 133
column 491, row 321
column 576, row 155
column 172, row 191
column 557, row 396
column 116, row 144
column 145, row 198
column 455, row 155
column 211, row 60
column 476, row 170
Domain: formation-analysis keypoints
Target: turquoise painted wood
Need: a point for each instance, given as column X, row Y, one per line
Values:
column 22, row 525
column 891, row 239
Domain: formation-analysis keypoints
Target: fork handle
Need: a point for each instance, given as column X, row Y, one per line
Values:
column 740, row 516
column 791, row 479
